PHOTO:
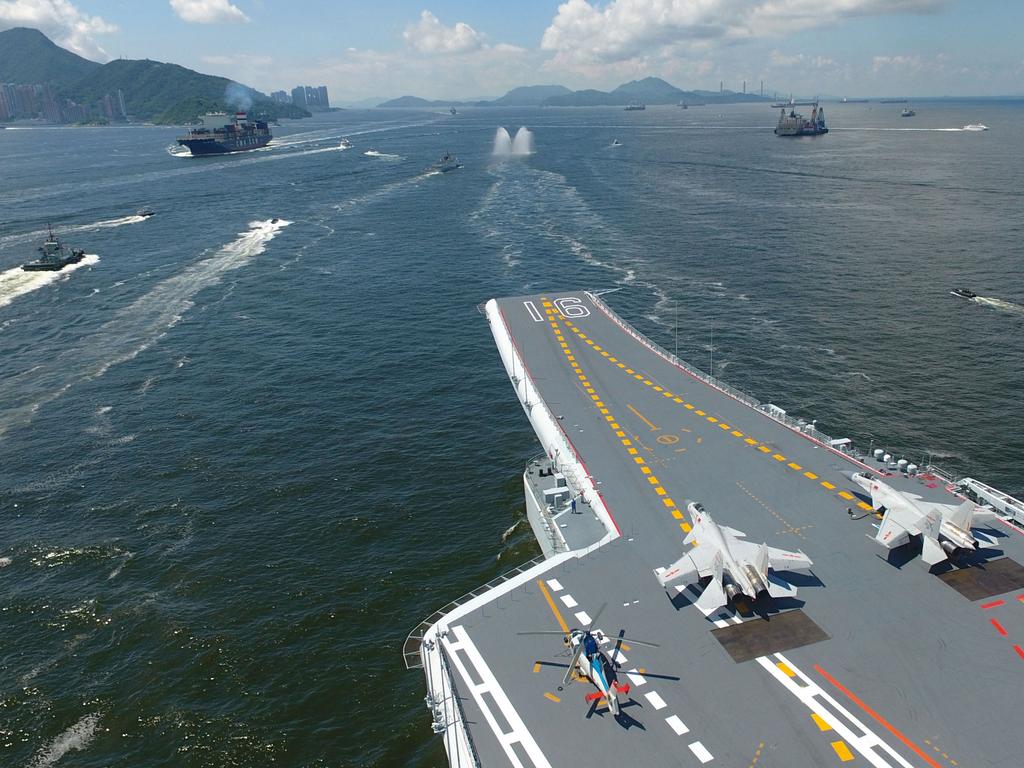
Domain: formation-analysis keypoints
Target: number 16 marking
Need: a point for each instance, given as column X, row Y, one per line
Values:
column 534, row 312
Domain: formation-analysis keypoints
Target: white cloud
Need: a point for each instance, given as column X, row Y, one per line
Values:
column 429, row 35
column 59, row 20
column 625, row 29
column 208, row 11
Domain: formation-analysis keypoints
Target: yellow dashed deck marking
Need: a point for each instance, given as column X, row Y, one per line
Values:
column 810, row 476
column 843, row 751
column 793, row 465
column 846, row 495
column 827, row 484
column 785, row 669
column 820, row 722
column 551, row 697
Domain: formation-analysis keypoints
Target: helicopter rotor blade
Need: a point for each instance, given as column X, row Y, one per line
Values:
column 597, row 615
column 638, row 642
column 572, row 665
column 549, row 632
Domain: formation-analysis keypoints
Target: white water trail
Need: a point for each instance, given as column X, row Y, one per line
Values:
column 39, row 234
column 135, row 327
column 17, row 282
column 1006, row 306
column 381, row 155
column 76, row 737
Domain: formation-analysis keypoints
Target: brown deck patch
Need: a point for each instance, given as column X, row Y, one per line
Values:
column 782, row 632
column 986, row 579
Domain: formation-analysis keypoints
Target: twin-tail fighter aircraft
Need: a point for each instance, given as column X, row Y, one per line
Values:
column 945, row 529
column 736, row 567
column 591, row 663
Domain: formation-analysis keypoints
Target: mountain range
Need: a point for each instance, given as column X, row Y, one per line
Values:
column 650, row 90
column 154, row 91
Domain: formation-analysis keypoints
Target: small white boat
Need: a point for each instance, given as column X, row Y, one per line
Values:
column 976, row 127
column 616, row 143
column 345, row 144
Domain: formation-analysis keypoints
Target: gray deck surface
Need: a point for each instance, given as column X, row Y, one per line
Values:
column 931, row 663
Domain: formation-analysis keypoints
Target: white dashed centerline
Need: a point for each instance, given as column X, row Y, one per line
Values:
column 677, row 725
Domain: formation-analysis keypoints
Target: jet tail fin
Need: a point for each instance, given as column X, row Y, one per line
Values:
column 930, row 524
column 962, row 516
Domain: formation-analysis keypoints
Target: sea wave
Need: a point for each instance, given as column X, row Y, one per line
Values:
column 77, row 737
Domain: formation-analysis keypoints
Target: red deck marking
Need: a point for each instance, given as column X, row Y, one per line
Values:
column 885, row 723
column 1019, row 650
column 993, row 604
column 999, row 627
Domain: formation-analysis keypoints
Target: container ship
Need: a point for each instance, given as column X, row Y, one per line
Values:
column 219, row 134
column 900, row 646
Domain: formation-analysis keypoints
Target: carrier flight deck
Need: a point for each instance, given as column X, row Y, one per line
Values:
column 869, row 655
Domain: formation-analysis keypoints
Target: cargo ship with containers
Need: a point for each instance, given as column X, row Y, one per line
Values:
column 221, row 134
column 903, row 648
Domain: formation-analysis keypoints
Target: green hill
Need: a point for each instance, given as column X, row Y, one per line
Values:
column 28, row 56
column 169, row 93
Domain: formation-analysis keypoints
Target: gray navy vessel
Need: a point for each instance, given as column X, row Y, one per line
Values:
column 54, row 256
column 661, row 500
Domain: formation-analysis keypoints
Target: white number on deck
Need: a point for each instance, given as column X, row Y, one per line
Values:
column 534, row 312
column 570, row 306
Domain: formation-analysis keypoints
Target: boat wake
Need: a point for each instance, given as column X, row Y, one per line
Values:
column 17, row 282
column 39, row 234
column 1005, row 306
column 381, row 155
column 135, row 327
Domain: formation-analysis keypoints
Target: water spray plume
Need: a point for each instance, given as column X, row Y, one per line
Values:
column 506, row 146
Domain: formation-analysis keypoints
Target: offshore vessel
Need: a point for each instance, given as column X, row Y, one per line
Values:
column 871, row 665
column 635, row 106
column 54, row 256
column 448, row 162
column 795, row 124
column 219, row 134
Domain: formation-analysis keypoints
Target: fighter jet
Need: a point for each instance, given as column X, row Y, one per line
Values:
column 945, row 529
column 736, row 567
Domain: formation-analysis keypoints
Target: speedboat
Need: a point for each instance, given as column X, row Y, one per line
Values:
column 345, row 144
column 145, row 213
column 447, row 163
column 616, row 143
column 908, row 112
column 976, row 127
column 963, row 293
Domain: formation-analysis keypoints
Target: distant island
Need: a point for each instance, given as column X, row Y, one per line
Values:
column 41, row 80
column 650, row 90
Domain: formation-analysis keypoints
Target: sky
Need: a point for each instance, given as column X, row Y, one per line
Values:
column 457, row 49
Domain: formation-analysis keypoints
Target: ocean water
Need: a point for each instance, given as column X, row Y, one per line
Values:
column 241, row 458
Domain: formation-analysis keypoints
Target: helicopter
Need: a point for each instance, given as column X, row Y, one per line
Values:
column 589, row 662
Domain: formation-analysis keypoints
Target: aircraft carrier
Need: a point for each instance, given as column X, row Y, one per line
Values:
column 878, row 660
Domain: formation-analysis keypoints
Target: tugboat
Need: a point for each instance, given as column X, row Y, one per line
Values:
column 963, row 293
column 54, row 256
column 219, row 134
column 795, row 124
column 447, row 163
column 907, row 112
